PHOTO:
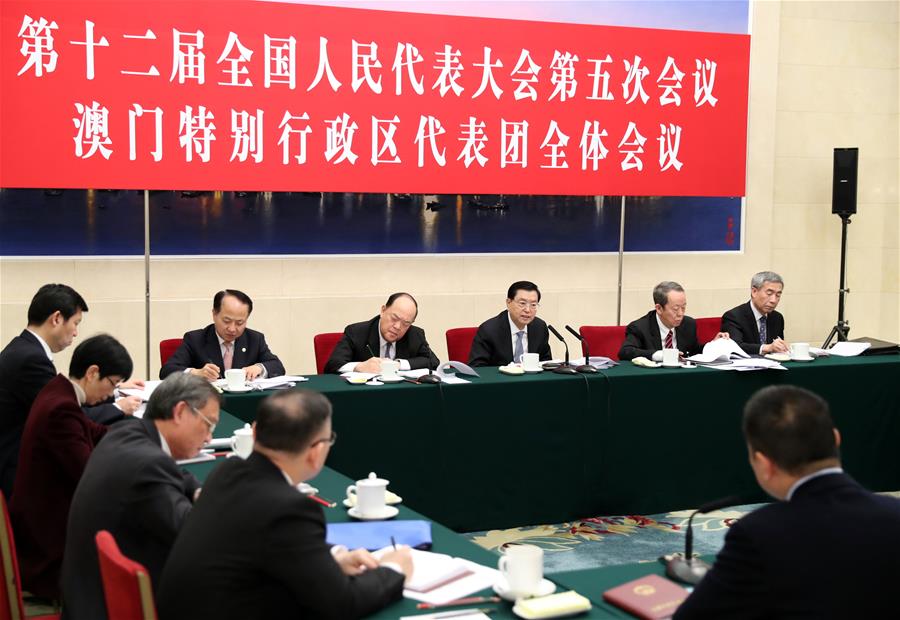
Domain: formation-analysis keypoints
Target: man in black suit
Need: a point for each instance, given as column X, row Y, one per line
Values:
column 133, row 488
column 665, row 327
column 225, row 344
column 254, row 547
column 390, row 335
column 513, row 332
column 755, row 325
column 826, row 550
column 26, row 366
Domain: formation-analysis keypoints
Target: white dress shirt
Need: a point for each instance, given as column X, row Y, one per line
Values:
column 663, row 332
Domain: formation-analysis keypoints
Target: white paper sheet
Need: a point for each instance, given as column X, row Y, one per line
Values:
column 144, row 394
column 849, row 349
column 428, row 563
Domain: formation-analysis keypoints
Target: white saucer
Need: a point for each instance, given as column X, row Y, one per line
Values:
column 778, row 357
column 803, row 359
column 391, row 499
column 389, row 513
column 511, row 370
column 396, row 379
column 246, row 388
column 546, row 587
column 531, row 372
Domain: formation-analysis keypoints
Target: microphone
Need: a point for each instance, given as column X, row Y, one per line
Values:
column 566, row 368
column 586, row 367
column 430, row 377
column 689, row 569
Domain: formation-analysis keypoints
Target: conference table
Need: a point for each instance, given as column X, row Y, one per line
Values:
column 505, row 451
column 332, row 485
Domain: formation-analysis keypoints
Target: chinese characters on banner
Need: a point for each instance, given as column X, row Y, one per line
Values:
column 265, row 96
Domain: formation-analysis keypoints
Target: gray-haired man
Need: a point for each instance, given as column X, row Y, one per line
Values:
column 133, row 488
column 755, row 325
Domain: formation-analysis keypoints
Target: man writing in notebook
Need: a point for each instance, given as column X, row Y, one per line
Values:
column 254, row 546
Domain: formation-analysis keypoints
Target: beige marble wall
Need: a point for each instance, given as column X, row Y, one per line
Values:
column 822, row 75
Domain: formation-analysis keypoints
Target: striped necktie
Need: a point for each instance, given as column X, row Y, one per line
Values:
column 669, row 339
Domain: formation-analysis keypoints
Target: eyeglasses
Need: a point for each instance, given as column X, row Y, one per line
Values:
column 114, row 384
column 522, row 304
column 330, row 441
column 210, row 423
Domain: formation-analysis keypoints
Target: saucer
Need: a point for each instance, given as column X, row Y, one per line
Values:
column 246, row 388
column 544, row 588
column 395, row 379
column 778, row 357
column 389, row 513
column 532, row 371
column 511, row 370
column 803, row 359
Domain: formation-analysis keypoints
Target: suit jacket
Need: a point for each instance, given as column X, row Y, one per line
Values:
column 492, row 345
column 741, row 325
column 24, row 371
column 829, row 553
column 134, row 490
column 201, row 346
column 642, row 337
column 253, row 547
column 56, row 444
column 352, row 347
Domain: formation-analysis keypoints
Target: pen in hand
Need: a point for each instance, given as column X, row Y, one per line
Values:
column 369, row 349
column 393, row 543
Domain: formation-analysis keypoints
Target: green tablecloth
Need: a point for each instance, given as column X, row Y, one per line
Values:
column 507, row 451
column 332, row 486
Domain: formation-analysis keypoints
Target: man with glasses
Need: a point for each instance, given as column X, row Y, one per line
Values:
column 514, row 332
column 254, row 547
column 133, row 488
column 390, row 335
column 57, row 441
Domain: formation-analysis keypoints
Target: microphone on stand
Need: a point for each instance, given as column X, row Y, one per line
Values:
column 566, row 368
column 586, row 367
column 689, row 569
column 430, row 377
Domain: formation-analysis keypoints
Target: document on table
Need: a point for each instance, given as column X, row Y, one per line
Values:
column 439, row 578
column 462, row 614
column 720, row 349
column 597, row 361
column 144, row 394
column 753, row 363
column 271, row 383
column 848, row 349
column 449, row 379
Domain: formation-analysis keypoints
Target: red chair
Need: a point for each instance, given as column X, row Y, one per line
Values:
column 167, row 348
column 707, row 329
column 126, row 583
column 603, row 340
column 11, row 606
column 459, row 343
column 323, row 345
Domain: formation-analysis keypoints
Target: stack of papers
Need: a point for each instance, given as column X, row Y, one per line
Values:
column 718, row 350
column 847, row 349
column 275, row 383
column 597, row 361
column 439, row 578
column 144, row 394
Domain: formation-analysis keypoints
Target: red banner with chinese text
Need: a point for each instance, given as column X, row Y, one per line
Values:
column 249, row 95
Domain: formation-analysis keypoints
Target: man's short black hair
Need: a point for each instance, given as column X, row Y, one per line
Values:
column 53, row 297
column 288, row 421
column 241, row 296
column 177, row 387
column 104, row 351
column 791, row 426
column 395, row 296
column 522, row 285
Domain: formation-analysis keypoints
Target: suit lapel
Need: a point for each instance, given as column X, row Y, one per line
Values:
column 213, row 350
column 505, row 336
column 374, row 341
column 655, row 338
column 239, row 360
column 751, row 320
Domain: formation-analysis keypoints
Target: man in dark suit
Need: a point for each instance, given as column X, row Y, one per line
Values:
column 755, row 325
column 390, row 335
column 253, row 547
column 826, row 550
column 225, row 344
column 57, row 441
column 666, row 327
column 26, row 366
column 513, row 332
column 133, row 488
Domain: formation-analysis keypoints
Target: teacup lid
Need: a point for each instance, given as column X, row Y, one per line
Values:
column 372, row 480
column 246, row 430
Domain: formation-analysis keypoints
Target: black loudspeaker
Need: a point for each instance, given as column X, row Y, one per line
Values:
column 843, row 189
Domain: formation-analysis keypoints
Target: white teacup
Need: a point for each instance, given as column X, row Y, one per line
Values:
column 242, row 441
column 800, row 350
column 235, row 379
column 670, row 357
column 370, row 495
column 389, row 368
column 523, row 568
column 531, row 361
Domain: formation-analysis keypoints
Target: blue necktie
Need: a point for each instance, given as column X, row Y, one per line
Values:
column 763, row 336
column 517, row 354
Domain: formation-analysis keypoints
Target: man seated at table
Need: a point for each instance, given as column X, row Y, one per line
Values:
column 254, row 547
column 26, row 366
column 56, row 443
column 390, row 335
column 826, row 549
column 225, row 344
column 666, row 327
column 514, row 332
column 756, row 326
column 133, row 488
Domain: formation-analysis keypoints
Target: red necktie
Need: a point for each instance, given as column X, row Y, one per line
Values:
column 669, row 340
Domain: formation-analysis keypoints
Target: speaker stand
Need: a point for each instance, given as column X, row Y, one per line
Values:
column 842, row 327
